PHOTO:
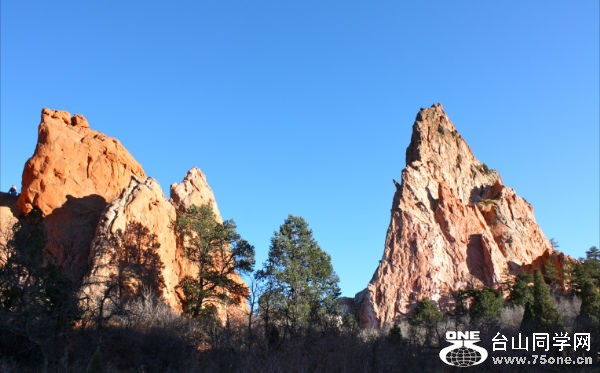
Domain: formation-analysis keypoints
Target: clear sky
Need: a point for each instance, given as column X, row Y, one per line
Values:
column 306, row 107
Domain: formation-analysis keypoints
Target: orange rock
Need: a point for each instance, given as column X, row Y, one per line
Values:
column 194, row 190
column 453, row 225
column 71, row 159
column 73, row 174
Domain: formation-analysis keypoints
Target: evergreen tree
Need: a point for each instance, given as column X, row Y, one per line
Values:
column 541, row 312
column 592, row 264
column 426, row 315
column 574, row 276
column 521, row 292
column 590, row 303
column 301, row 285
column 487, row 304
column 218, row 251
column 36, row 298
column 551, row 275
column 395, row 335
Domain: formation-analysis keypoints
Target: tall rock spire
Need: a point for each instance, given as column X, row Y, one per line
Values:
column 453, row 225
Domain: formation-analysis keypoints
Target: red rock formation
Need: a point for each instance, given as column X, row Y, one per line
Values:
column 71, row 159
column 143, row 204
column 73, row 174
column 453, row 225
column 194, row 190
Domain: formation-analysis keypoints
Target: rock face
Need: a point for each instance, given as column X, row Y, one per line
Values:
column 138, row 220
column 100, row 210
column 194, row 190
column 73, row 160
column 142, row 217
column 453, row 225
column 74, row 172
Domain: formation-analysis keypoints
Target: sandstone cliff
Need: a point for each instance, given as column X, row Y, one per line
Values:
column 73, row 173
column 453, row 225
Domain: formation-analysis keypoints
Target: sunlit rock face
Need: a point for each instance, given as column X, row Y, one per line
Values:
column 72, row 175
column 95, row 197
column 453, row 225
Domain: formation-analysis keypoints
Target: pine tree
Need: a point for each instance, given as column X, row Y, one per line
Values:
column 590, row 303
column 426, row 315
column 36, row 298
column 521, row 292
column 592, row 264
column 301, row 284
column 541, row 312
column 487, row 304
column 218, row 251
column 426, row 312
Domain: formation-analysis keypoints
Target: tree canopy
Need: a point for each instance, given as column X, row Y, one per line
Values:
column 300, row 283
column 218, row 251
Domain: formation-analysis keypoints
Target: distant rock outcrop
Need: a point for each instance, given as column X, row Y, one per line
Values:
column 74, row 172
column 453, row 225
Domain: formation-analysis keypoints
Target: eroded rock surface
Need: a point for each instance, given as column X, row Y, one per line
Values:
column 72, row 175
column 453, row 225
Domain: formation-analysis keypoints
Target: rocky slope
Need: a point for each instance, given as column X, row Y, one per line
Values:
column 453, row 225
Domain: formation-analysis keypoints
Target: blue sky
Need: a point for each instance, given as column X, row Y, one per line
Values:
column 306, row 107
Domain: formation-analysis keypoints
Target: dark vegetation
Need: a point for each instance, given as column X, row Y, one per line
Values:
column 295, row 323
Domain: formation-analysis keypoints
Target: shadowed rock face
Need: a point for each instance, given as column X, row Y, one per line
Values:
column 73, row 173
column 144, row 205
column 453, row 224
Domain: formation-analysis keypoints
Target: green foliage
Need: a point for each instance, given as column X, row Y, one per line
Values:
column 36, row 302
column 551, row 274
column 426, row 313
column 583, row 279
column 350, row 323
column 590, row 302
column 541, row 313
column 574, row 276
column 218, row 251
column 487, row 304
column 301, row 286
column 592, row 265
column 483, row 168
column 521, row 292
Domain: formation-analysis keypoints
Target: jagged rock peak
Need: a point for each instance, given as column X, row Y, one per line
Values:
column 193, row 190
column 453, row 225
column 140, row 217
